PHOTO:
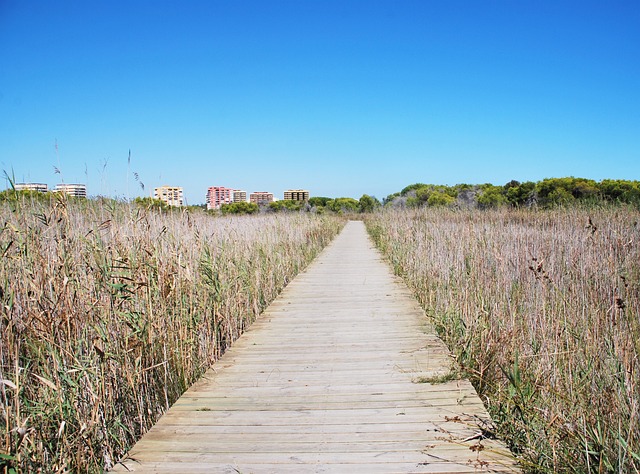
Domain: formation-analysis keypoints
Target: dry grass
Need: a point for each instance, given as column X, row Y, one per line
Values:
column 109, row 312
column 542, row 310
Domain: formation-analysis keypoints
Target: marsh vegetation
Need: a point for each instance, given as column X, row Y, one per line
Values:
column 542, row 311
column 109, row 311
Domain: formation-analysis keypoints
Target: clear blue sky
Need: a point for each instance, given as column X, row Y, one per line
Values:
column 338, row 97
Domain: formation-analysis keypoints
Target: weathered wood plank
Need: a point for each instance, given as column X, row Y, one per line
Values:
column 317, row 462
column 325, row 381
column 294, row 467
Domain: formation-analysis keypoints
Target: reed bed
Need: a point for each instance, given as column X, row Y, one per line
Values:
column 542, row 311
column 110, row 311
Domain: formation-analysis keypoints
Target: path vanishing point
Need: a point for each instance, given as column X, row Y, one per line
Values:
column 329, row 379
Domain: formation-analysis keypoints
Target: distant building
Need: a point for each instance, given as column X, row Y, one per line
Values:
column 261, row 198
column 40, row 187
column 296, row 195
column 75, row 190
column 219, row 195
column 171, row 195
column 239, row 196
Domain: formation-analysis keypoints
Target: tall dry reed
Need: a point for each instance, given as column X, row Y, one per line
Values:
column 542, row 310
column 109, row 312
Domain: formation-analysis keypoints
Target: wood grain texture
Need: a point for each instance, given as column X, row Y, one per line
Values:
column 329, row 379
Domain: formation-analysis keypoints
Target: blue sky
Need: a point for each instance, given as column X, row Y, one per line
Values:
column 339, row 97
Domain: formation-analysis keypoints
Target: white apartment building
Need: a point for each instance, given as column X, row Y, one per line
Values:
column 40, row 187
column 75, row 190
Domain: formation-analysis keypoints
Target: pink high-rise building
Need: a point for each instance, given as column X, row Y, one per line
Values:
column 219, row 195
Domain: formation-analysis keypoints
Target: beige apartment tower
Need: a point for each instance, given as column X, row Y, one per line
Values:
column 261, row 198
column 239, row 196
column 296, row 195
column 171, row 195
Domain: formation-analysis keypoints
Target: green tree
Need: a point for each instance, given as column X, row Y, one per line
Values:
column 519, row 194
column 412, row 187
column 439, row 198
column 559, row 197
column 618, row 190
column 368, row 203
column 197, row 207
column 343, row 204
column 413, row 202
column 318, row 201
column 285, row 205
column 239, row 208
column 491, row 196
column 424, row 193
column 390, row 198
column 582, row 188
column 151, row 203
column 13, row 195
column 445, row 194
column 555, row 191
column 462, row 187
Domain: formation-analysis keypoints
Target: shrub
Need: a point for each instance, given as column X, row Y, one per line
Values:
column 239, row 208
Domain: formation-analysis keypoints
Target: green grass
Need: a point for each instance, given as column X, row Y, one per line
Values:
column 441, row 378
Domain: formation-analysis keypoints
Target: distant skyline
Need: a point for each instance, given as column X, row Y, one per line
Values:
column 341, row 98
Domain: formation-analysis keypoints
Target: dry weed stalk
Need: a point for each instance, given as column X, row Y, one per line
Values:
column 109, row 312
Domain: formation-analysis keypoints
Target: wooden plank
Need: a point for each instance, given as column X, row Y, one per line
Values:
column 215, row 397
column 294, row 467
column 286, row 437
column 337, row 429
column 449, row 451
column 463, row 456
column 310, row 462
column 325, row 381
column 399, row 415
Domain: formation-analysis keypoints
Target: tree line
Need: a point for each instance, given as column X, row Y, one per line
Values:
column 316, row 204
column 548, row 193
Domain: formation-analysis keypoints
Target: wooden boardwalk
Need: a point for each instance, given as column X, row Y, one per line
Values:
column 329, row 379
